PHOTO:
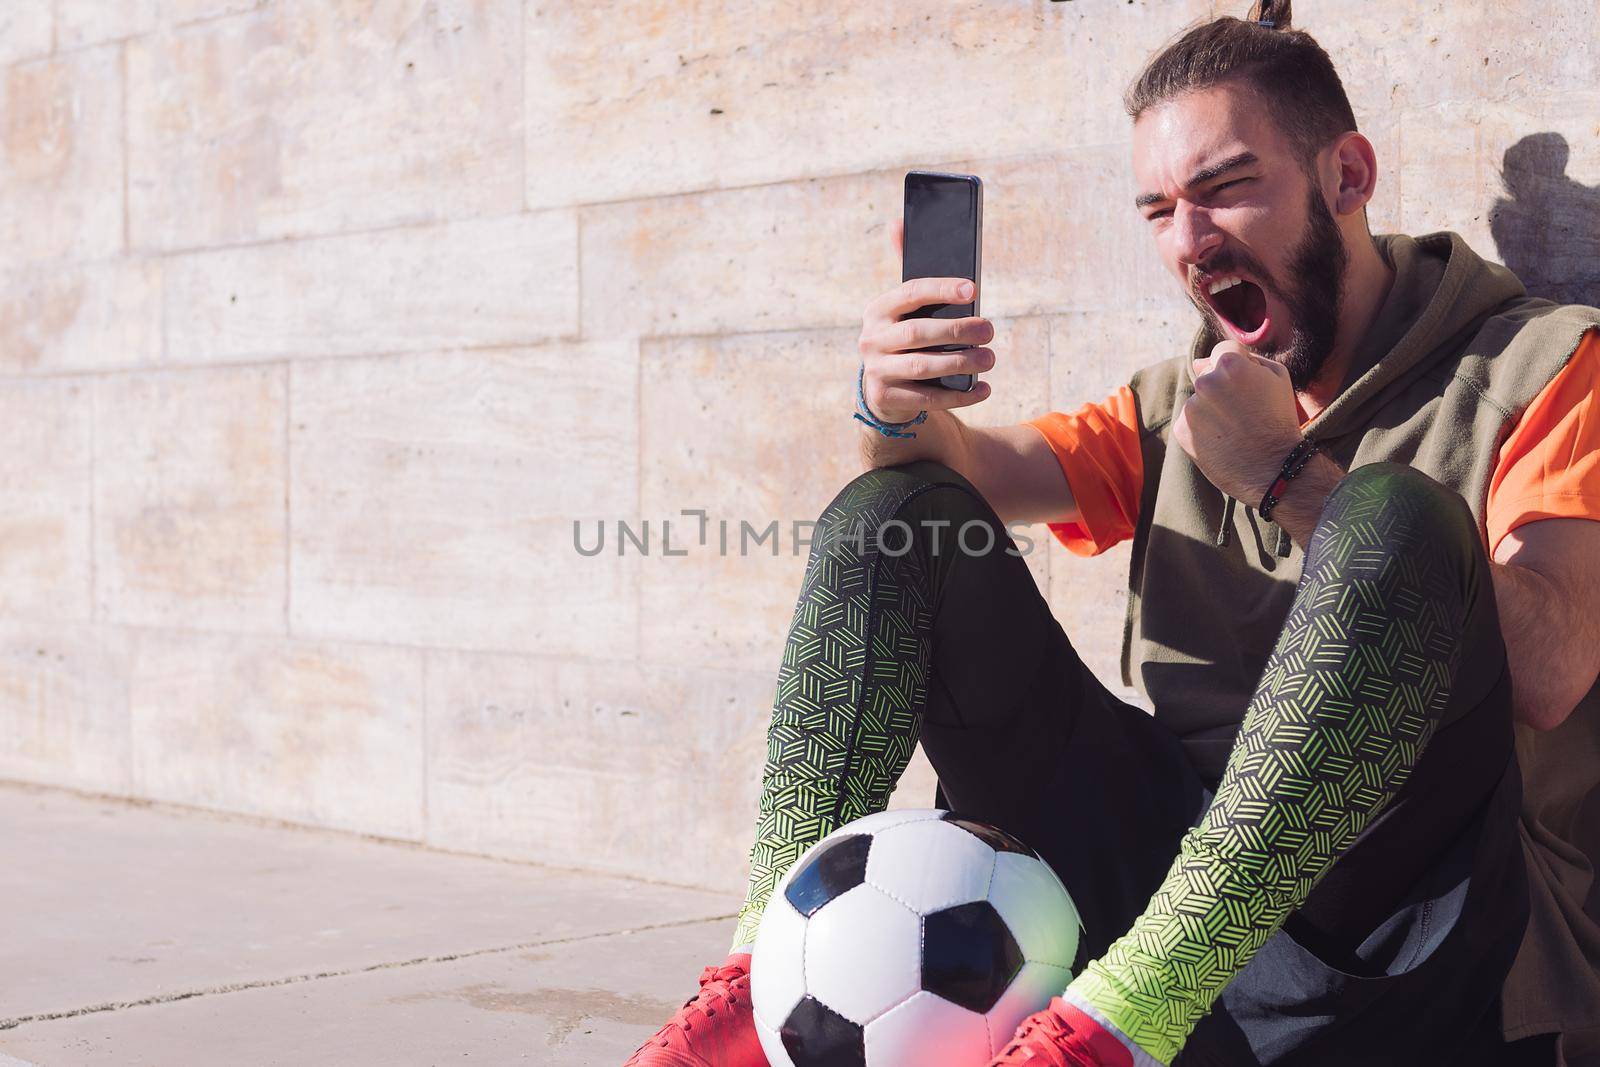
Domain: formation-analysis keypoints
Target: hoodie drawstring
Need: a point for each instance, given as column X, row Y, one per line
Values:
column 1283, row 543
column 1226, row 527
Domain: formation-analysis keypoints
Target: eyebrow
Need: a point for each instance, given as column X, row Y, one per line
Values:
column 1201, row 176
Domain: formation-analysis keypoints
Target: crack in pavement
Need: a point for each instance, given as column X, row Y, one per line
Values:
column 296, row 979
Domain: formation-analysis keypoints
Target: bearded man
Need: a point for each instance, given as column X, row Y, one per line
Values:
column 1361, row 824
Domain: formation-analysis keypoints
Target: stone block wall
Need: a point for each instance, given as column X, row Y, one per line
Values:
column 323, row 321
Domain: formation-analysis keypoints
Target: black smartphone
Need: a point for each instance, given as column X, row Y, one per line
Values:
column 944, row 239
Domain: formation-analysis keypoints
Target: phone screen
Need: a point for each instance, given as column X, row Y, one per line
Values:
column 943, row 238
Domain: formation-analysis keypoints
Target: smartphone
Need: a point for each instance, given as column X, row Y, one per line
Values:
column 944, row 239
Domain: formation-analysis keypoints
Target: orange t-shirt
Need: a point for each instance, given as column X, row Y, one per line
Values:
column 1549, row 468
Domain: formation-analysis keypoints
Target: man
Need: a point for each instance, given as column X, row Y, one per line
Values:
column 1360, row 826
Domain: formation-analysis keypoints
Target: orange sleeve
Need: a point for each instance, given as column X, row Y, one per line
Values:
column 1549, row 468
column 1098, row 449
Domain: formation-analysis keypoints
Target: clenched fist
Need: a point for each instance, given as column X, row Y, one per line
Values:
column 1241, row 421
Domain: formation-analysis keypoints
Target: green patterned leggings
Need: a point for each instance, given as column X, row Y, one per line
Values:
column 852, row 687
column 903, row 632
column 1359, row 681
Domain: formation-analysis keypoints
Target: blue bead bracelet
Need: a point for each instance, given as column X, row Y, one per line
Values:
column 864, row 413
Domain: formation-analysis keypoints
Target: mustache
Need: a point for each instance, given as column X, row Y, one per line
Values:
column 1229, row 262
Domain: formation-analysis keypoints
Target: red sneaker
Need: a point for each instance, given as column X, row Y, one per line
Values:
column 1063, row 1036
column 715, row 1028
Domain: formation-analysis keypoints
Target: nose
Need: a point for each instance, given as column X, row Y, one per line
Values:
column 1195, row 236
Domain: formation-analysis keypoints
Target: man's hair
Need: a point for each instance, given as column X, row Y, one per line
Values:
column 1285, row 67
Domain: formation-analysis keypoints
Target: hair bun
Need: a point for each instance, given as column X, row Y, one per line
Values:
column 1274, row 14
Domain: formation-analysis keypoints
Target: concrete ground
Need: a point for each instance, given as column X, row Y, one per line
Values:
column 136, row 935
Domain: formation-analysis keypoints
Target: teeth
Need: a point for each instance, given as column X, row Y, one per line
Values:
column 1225, row 283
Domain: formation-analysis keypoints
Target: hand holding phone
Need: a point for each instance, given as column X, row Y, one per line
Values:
column 903, row 354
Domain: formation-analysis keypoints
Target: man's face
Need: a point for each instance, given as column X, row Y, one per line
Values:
column 1241, row 224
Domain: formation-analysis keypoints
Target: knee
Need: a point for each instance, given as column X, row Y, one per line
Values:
column 923, row 504
column 921, row 472
column 882, row 493
column 1401, row 510
column 1398, row 498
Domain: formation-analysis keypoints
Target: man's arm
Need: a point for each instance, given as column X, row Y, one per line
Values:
column 1012, row 466
column 1547, row 586
column 1241, row 423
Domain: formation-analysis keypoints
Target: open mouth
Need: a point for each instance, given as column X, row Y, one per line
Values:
column 1241, row 305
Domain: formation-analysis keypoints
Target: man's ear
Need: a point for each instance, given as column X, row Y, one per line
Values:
column 1355, row 173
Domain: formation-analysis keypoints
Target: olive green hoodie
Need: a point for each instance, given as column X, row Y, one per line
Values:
column 1456, row 354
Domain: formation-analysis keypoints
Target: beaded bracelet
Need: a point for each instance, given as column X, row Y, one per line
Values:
column 1293, row 464
column 864, row 413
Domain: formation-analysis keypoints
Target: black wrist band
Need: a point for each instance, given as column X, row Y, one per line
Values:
column 1293, row 464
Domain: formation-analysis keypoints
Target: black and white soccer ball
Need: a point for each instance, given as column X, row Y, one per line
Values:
column 911, row 937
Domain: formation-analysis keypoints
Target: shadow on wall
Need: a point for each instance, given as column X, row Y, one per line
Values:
column 1547, row 226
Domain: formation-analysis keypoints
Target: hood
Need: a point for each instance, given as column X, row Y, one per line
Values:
column 1442, row 292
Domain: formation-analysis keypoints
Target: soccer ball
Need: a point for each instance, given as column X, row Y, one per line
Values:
column 911, row 938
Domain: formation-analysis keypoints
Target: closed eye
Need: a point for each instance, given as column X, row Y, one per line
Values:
column 1164, row 212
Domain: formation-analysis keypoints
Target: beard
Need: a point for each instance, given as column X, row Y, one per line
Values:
column 1313, row 295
